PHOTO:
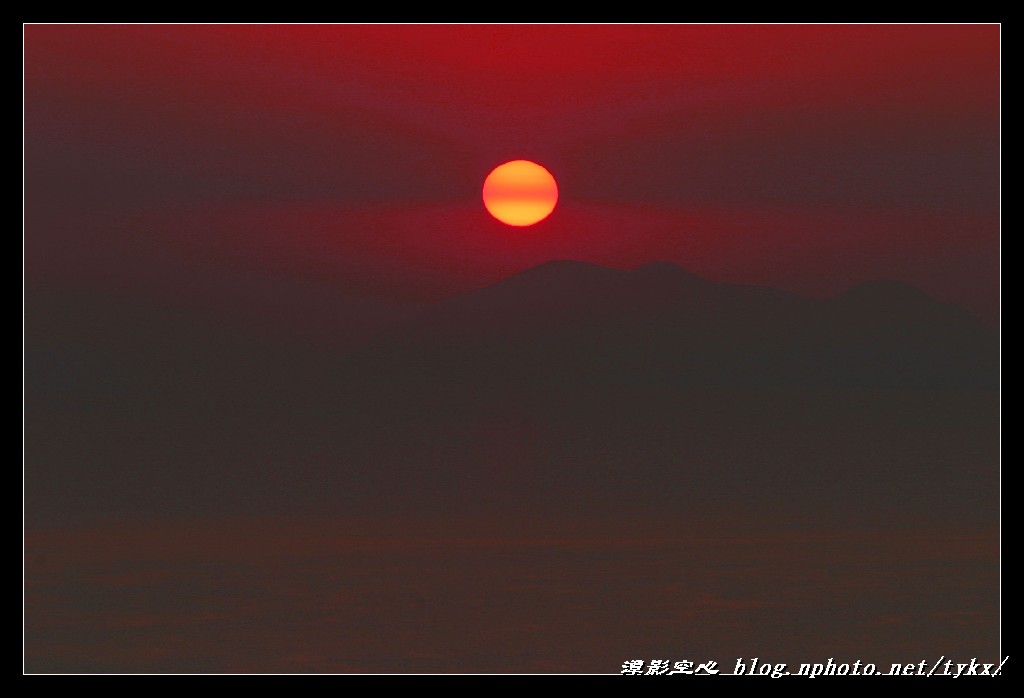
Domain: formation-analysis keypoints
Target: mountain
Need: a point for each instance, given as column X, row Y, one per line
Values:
column 567, row 321
column 566, row 390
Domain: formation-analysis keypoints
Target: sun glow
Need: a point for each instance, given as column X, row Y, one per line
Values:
column 520, row 193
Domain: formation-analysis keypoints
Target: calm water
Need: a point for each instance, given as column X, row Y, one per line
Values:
column 333, row 597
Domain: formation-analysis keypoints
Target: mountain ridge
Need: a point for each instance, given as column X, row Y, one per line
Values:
column 659, row 321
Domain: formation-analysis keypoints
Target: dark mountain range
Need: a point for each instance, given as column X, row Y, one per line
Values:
column 566, row 389
column 569, row 321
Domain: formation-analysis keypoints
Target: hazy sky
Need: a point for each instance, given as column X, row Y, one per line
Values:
column 213, row 163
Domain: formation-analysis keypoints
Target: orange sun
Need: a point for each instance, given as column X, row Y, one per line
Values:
column 520, row 193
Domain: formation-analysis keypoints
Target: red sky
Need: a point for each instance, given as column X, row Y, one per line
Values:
column 221, row 164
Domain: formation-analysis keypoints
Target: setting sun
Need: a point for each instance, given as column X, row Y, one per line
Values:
column 520, row 193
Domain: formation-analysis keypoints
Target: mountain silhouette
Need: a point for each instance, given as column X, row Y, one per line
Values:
column 567, row 321
column 566, row 389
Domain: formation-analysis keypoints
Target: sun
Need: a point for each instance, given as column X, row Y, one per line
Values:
column 520, row 193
